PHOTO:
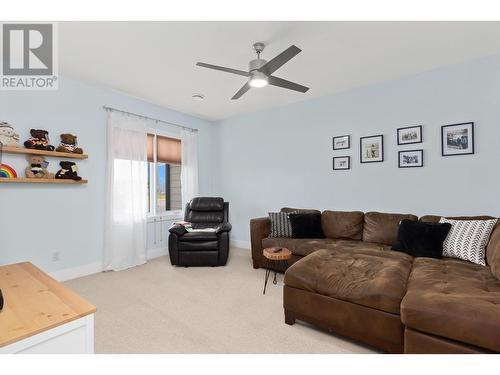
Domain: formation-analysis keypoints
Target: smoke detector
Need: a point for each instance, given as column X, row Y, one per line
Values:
column 198, row 97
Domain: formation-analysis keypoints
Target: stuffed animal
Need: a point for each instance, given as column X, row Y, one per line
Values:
column 37, row 168
column 68, row 144
column 8, row 137
column 39, row 140
column 68, row 171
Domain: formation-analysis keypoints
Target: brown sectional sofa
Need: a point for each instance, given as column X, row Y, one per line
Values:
column 353, row 284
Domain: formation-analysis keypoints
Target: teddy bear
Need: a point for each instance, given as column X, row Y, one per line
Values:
column 68, row 144
column 37, row 168
column 68, row 171
column 39, row 140
column 8, row 137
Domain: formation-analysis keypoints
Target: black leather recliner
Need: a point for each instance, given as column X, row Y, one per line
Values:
column 201, row 248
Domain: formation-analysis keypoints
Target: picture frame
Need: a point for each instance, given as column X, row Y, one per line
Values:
column 409, row 135
column 411, row 158
column 371, row 149
column 342, row 142
column 457, row 139
column 341, row 163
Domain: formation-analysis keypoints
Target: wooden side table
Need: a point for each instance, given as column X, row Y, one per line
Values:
column 275, row 254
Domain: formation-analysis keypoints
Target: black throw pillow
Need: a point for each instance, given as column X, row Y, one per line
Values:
column 306, row 225
column 421, row 239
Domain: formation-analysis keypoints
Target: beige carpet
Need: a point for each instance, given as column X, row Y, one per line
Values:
column 157, row 308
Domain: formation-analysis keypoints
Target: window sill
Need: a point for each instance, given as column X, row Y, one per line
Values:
column 168, row 216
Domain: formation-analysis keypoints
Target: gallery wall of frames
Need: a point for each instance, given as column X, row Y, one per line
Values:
column 456, row 139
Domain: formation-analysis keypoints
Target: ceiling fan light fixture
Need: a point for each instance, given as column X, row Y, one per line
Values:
column 258, row 79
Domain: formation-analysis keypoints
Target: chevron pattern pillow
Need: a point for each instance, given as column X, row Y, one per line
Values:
column 467, row 239
column 280, row 224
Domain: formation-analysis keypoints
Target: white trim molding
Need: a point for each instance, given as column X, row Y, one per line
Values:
column 157, row 252
column 75, row 272
column 96, row 267
column 240, row 244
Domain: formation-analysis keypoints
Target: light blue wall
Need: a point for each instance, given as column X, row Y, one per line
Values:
column 283, row 156
column 37, row 220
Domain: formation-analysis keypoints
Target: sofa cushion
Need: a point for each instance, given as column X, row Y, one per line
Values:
column 343, row 224
column 298, row 246
column 382, row 227
column 364, row 275
column 453, row 299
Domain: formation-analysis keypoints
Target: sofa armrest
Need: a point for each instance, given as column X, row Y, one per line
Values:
column 493, row 252
column 177, row 229
column 224, row 227
column 259, row 229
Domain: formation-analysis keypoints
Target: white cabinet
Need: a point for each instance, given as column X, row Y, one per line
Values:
column 75, row 337
column 42, row 316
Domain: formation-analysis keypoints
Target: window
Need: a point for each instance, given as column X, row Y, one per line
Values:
column 164, row 175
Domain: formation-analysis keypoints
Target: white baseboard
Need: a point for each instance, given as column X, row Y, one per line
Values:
column 96, row 267
column 240, row 244
column 75, row 272
column 158, row 252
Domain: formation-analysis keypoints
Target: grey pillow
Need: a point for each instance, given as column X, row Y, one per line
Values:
column 467, row 239
column 280, row 224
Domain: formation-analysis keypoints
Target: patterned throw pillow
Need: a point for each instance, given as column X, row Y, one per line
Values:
column 280, row 224
column 467, row 239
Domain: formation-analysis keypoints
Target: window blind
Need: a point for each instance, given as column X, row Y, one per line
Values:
column 168, row 150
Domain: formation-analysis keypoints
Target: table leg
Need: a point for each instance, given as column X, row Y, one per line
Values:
column 268, row 271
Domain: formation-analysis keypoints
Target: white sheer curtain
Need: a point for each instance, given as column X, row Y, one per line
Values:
column 125, row 226
column 189, row 168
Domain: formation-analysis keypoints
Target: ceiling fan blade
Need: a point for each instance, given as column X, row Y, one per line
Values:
column 223, row 69
column 273, row 65
column 241, row 91
column 275, row 81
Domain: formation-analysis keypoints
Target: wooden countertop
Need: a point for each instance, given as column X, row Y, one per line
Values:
column 35, row 302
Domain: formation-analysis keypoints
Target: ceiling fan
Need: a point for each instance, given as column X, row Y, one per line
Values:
column 260, row 71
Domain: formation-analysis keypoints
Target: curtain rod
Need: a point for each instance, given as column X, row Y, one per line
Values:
column 106, row 108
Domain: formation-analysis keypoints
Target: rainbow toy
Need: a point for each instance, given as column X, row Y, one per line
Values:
column 7, row 171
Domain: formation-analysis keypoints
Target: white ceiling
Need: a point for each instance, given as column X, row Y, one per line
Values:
column 155, row 61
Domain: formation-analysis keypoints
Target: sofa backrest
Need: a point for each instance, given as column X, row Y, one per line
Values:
column 207, row 210
column 435, row 218
column 343, row 224
column 383, row 227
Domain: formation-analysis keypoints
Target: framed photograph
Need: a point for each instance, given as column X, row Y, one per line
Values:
column 409, row 135
column 371, row 149
column 411, row 158
column 341, row 163
column 342, row 142
column 457, row 139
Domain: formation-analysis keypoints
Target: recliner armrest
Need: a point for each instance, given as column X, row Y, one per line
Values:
column 224, row 227
column 177, row 229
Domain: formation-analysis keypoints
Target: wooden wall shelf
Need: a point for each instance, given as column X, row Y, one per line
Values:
column 28, row 151
column 40, row 181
